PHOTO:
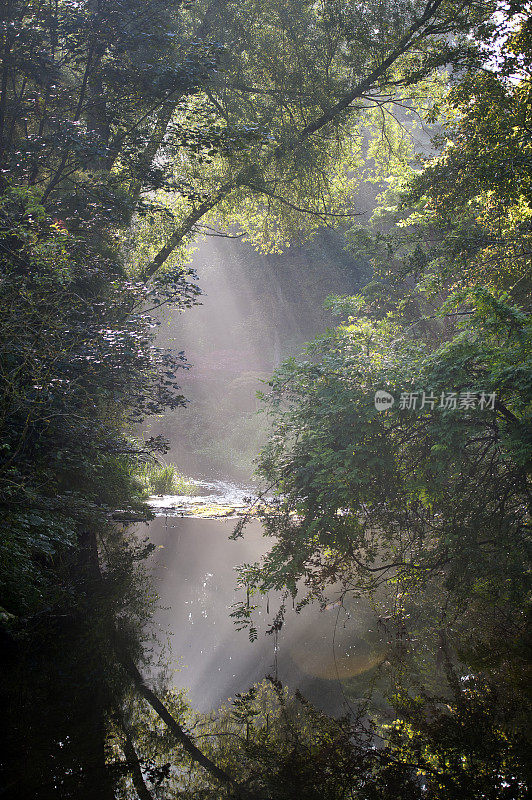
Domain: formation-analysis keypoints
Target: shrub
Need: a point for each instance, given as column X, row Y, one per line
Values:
column 163, row 479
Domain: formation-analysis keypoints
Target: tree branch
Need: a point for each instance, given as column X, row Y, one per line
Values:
column 134, row 764
column 249, row 173
column 173, row 726
column 166, row 111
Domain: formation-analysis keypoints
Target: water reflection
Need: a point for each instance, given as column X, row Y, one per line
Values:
column 195, row 578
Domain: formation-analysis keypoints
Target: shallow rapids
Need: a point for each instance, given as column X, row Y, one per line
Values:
column 212, row 499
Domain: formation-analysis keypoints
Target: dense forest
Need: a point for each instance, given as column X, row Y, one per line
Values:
column 376, row 153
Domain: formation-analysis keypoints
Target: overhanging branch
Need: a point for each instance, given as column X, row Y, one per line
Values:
column 179, row 734
column 248, row 174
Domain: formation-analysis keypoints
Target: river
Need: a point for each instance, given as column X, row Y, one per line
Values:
column 255, row 311
column 194, row 569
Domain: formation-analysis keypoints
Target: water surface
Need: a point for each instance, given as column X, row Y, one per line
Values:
column 194, row 568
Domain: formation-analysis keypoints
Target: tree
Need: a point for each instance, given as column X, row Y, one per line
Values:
column 277, row 95
column 280, row 746
column 359, row 481
column 121, row 127
column 424, row 503
column 74, row 372
column 434, row 485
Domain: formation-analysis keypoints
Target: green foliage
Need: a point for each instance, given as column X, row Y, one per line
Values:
column 282, row 747
column 463, row 221
column 76, row 373
column 73, row 373
column 466, row 748
column 121, row 127
column 413, row 492
column 425, row 506
column 162, row 479
column 410, row 492
column 246, row 149
column 279, row 745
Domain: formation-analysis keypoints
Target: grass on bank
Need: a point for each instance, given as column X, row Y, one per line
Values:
column 163, row 479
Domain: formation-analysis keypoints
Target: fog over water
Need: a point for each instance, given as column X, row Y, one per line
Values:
column 256, row 310
column 195, row 579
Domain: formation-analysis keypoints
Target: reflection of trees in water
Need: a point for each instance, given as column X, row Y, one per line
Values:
column 196, row 582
